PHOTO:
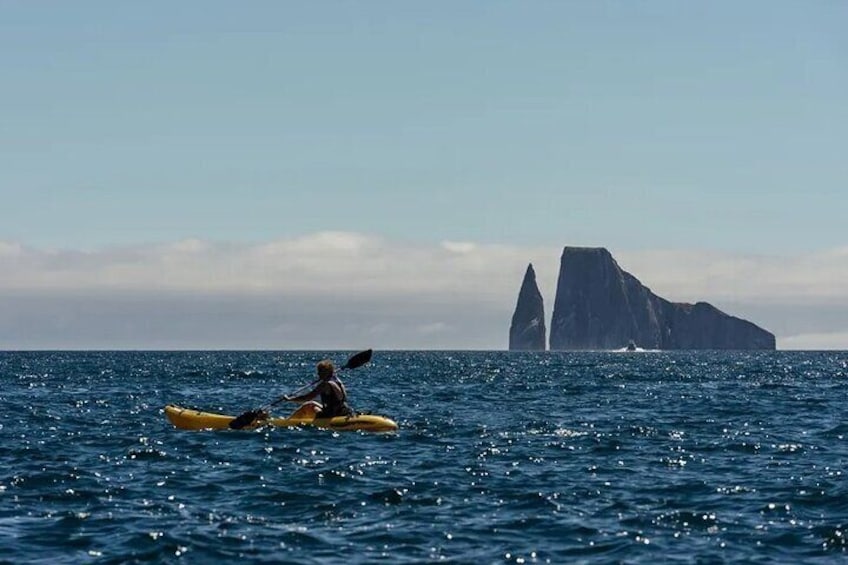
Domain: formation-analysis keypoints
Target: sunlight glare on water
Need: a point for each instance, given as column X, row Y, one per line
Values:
column 500, row 457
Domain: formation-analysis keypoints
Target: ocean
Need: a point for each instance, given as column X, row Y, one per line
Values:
column 557, row 457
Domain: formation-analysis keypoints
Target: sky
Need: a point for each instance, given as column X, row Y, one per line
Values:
column 281, row 175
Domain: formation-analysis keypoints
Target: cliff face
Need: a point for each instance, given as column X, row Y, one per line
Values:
column 527, row 331
column 599, row 306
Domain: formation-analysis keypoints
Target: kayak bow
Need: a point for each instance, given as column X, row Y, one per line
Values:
column 188, row 419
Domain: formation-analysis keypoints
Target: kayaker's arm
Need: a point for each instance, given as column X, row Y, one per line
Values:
column 305, row 396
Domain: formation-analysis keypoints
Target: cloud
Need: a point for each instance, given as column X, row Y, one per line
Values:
column 813, row 341
column 331, row 289
column 813, row 278
column 10, row 249
column 459, row 246
column 337, row 263
column 434, row 328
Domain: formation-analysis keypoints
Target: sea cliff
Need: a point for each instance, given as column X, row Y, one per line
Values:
column 600, row 306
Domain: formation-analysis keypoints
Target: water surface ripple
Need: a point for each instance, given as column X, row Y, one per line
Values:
column 501, row 457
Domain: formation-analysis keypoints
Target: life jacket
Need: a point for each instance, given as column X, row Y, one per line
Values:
column 335, row 403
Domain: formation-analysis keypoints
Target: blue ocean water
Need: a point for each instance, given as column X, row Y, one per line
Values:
column 500, row 458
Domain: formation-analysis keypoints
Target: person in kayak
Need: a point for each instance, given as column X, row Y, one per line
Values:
column 332, row 392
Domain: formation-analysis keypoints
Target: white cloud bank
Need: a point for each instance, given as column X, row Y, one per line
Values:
column 346, row 290
column 321, row 264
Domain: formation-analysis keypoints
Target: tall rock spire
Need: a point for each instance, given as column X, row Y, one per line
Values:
column 527, row 331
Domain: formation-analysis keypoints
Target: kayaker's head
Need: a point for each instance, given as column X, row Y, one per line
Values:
column 325, row 369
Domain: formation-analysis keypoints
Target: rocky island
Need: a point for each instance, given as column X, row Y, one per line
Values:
column 600, row 306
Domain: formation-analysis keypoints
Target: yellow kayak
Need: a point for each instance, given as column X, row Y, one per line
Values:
column 188, row 419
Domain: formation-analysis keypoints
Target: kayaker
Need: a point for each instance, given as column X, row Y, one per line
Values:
column 332, row 392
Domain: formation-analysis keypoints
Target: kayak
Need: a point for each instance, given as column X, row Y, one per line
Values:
column 189, row 419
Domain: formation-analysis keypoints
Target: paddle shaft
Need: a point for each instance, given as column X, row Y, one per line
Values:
column 295, row 393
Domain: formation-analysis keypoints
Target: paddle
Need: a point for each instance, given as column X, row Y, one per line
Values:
column 250, row 416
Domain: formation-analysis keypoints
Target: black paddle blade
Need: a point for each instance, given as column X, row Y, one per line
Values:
column 244, row 420
column 358, row 360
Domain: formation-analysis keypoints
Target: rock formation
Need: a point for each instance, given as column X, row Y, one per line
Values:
column 600, row 306
column 527, row 331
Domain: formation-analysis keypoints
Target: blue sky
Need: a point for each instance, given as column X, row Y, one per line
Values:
column 638, row 126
